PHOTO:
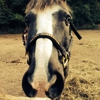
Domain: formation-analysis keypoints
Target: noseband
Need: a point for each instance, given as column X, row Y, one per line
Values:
column 58, row 46
column 65, row 53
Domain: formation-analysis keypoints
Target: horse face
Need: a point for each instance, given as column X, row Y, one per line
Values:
column 46, row 75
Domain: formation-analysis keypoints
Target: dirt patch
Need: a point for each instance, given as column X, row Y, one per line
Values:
column 83, row 82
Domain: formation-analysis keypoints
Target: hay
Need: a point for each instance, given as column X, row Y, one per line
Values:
column 77, row 89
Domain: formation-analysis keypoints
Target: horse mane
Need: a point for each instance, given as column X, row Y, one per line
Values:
column 42, row 4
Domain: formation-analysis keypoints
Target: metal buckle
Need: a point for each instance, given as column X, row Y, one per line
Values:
column 65, row 60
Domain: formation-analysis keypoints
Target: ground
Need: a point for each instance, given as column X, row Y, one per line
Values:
column 83, row 82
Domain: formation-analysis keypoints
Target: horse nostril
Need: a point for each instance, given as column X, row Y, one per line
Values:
column 39, row 87
column 51, row 82
column 35, row 86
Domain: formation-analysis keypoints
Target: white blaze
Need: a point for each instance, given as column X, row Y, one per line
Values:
column 44, row 46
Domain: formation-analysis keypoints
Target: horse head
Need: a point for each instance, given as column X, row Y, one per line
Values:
column 48, row 44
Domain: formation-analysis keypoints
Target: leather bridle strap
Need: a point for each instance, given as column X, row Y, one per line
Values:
column 68, row 20
column 49, row 36
column 58, row 46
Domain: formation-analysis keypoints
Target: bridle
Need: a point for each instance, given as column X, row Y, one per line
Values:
column 65, row 53
column 58, row 46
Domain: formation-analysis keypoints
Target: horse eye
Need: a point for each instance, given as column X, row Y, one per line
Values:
column 30, row 18
column 62, row 15
column 26, row 20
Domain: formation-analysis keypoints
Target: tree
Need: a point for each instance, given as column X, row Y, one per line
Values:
column 11, row 12
column 85, row 12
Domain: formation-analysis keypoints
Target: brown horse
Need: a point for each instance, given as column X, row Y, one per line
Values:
column 47, row 46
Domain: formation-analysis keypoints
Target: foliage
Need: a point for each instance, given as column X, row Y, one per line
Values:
column 86, row 14
column 12, row 15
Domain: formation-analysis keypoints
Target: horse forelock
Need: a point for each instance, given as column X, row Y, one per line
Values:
column 43, row 4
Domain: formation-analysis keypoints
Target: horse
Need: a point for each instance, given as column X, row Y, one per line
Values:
column 48, row 48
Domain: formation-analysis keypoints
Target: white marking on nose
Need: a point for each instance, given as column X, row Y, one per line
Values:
column 44, row 22
column 44, row 46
